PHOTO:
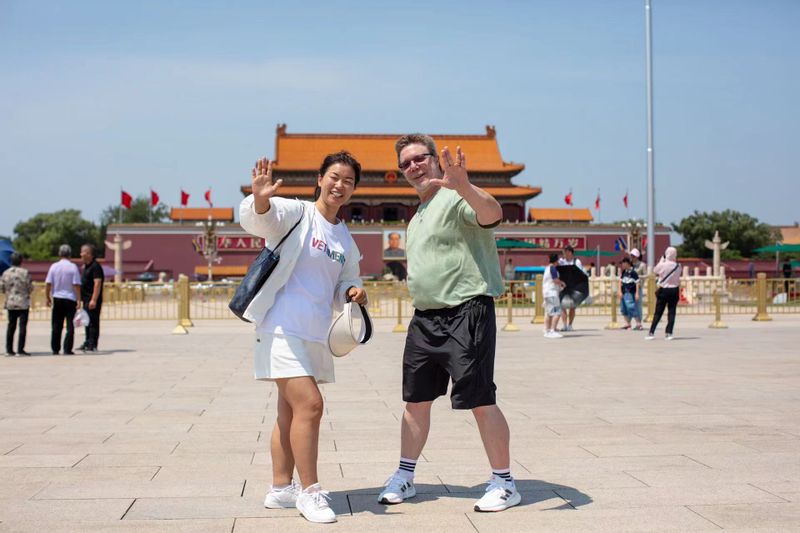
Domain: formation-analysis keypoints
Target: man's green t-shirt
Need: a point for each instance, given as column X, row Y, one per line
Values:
column 451, row 258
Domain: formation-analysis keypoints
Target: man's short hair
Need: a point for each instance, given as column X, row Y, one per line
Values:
column 65, row 250
column 415, row 138
column 553, row 257
column 16, row 259
column 92, row 249
column 394, row 233
column 569, row 248
column 626, row 260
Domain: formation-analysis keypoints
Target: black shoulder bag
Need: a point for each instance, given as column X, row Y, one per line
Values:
column 257, row 275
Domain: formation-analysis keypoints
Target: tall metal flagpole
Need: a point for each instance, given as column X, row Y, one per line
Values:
column 651, row 189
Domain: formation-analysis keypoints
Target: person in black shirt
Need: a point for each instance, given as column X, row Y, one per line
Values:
column 91, row 295
column 629, row 295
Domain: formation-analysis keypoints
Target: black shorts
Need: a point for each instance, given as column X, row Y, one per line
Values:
column 453, row 343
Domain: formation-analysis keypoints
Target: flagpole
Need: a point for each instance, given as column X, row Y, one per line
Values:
column 651, row 189
column 150, row 207
column 119, row 208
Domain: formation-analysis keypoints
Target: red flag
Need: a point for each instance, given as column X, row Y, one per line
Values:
column 126, row 200
column 184, row 198
column 208, row 197
column 568, row 198
column 597, row 202
column 625, row 199
column 153, row 198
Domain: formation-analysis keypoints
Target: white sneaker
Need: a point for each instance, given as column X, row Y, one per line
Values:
column 284, row 498
column 668, row 338
column 500, row 495
column 397, row 489
column 313, row 505
column 649, row 337
column 554, row 335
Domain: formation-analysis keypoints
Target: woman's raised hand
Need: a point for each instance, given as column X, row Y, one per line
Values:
column 263, row 186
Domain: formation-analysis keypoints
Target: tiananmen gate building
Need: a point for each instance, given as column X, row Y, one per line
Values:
column 380, row 207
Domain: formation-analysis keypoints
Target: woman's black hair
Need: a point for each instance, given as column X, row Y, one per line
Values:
column 344, row 157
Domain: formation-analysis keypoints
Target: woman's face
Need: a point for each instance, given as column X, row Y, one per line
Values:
column 337, row 184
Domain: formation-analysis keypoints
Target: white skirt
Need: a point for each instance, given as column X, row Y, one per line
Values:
column 286, row 356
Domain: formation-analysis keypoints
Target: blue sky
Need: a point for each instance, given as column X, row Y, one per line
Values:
column 95, row 96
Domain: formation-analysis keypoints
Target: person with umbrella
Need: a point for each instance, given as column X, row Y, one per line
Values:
column 16, row 283
column 568, row 303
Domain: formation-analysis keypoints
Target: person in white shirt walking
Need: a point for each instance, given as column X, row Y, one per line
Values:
column 551, row 287
column 63, row 289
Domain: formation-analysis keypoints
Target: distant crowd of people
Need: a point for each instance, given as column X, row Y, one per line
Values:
column 68, row 291
column 560, row 304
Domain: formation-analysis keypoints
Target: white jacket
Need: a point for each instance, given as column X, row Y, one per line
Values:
column 272, row 226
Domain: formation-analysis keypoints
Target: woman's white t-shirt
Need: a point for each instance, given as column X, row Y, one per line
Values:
column 303, row 306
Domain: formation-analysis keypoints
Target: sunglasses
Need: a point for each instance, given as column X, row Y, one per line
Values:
column 417, row 159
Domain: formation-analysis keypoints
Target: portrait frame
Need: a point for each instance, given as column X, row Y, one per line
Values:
column 394, row 244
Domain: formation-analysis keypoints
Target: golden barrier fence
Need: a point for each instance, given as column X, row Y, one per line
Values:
column 161, row 301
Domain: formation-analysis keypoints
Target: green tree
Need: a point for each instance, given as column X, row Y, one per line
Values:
column 744, row 232
column 39, row 237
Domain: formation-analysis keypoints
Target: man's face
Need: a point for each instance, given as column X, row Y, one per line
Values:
column 421, row 168
column 568, row 255
column 86, row 255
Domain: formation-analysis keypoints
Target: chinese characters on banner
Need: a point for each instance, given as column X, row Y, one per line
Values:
column 554, row 243
column 235, row 244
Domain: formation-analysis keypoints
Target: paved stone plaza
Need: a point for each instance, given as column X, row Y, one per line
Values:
column 163, row 432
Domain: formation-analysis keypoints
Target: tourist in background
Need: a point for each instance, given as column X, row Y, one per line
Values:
column 629, row 295
column 63, row 290
column 551, row 288
column 568, row 305
column 668, row 272
column 91, row 296
column 17, row 285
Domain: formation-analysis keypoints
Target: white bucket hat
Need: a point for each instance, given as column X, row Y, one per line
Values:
column 345, row 334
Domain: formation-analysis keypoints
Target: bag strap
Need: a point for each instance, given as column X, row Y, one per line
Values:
column 302, row 212
column 662, row 280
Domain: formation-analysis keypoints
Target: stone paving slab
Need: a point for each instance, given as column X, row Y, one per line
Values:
column 609, row 433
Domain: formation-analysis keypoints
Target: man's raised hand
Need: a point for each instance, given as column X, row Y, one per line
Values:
column 455, row 172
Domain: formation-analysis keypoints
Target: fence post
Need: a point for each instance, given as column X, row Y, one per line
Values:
column 613, row 324
column 510, row 294
column 761, row 298
column 399, row 327
column 538, row 304
column 183, row 294
column 718, row 323
column 651, row 298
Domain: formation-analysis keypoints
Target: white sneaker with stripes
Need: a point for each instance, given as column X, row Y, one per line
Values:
column 397, row 489
column 499, row 496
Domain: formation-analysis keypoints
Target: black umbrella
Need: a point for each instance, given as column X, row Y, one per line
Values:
column 577, row 285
